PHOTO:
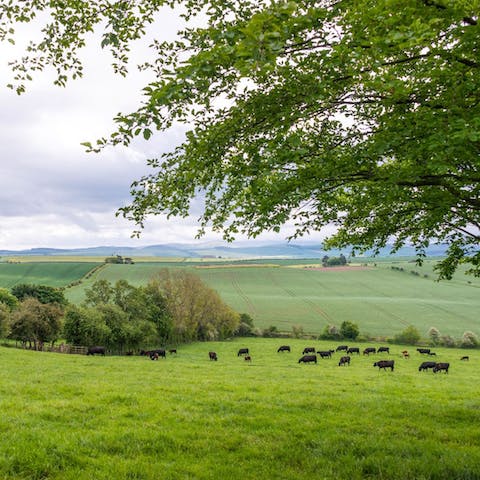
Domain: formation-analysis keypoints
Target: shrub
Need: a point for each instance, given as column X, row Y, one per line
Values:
column 297, row 331
column 349, row 330
column 447, row 341
column 434, row 335
column 330, row 332
column 410, row 336
column 469, row 340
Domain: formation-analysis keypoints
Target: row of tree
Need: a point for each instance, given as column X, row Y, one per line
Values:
column 172, row 308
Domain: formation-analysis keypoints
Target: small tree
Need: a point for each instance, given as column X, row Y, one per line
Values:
column 410, row 336
column 330, row 332
column 246, row 327
column 434, row 335
column 297, row 331
column 8, row 299
column 469, row 340
column 4, row 320
column 349, row 330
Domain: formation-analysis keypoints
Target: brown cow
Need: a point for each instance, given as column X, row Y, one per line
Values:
column 212, row 356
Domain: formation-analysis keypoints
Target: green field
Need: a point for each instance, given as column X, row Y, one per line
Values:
column 283, row 293
column 54, row 274
column 76, row 417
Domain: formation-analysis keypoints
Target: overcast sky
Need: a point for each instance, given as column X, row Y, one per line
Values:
column 52, row 193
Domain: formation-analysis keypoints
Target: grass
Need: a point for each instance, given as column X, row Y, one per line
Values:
column 77, row 417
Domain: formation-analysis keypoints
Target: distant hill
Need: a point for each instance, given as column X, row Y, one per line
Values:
column 205, row 250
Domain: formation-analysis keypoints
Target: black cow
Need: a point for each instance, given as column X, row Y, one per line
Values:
column 284, row 348
column 465, row 358
column 432, row 354
column 248, row 358
column 369, row 350
column 423, row 350
column 308, row 359
column 326, row 354
column 385, row 364
column 342, row 347
column 354, row 350
column 242, row 351
column 383, row 349
column 441, row 366
column 160, row 352
column 172, row 350
column 344, row 361
column 213, row 356
column 308, row 350
column 95, row 350
column 426, row 366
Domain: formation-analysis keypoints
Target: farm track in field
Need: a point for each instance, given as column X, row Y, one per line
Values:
column 233, row 280
column 313, row 306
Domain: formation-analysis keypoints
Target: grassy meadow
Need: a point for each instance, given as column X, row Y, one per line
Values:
column 185, row 417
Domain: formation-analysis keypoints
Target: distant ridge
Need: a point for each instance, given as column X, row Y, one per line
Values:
column 199, row 250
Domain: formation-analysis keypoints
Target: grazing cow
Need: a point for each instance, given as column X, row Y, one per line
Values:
column 284, row 348
column 383, row 349
column 242, row 351
column 441, row 366
column 342, row 347
column 308, row 350
column 405, row 354
column 465, row 358
column 385, row 364
column 308, row 359
column 153, row 356
column 344, row 361
column 95, row 350
column 159, row 351
column 212, row 356
column 369, row 350
column 172, row 350
column 354, row 350
column 326, row 354
column 423, row 350
column 426, row 366
column 248, row 358
column 432, row 354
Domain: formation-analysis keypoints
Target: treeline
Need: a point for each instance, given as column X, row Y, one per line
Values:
column 174, row 307
column 409, row 336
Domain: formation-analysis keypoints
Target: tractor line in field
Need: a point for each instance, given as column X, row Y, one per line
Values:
column 313, row 306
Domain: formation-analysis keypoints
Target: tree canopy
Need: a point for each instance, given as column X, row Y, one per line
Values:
column 364, row 115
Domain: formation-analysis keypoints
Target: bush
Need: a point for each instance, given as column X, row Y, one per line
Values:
column 447, row 341
column 297, row 331
column 410, row 336
column 349, row 330
column 434, row 335
column 330, row 332
column 469, row 340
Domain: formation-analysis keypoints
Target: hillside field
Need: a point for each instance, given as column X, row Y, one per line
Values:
column 73, row 417
column 283, row 293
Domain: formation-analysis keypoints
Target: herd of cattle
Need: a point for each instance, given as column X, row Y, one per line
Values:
column 310, row 355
